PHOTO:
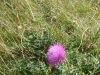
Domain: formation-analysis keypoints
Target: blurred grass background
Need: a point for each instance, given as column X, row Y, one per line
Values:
column 29, row 27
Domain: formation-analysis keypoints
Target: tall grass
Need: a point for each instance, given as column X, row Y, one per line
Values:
column 29, row 27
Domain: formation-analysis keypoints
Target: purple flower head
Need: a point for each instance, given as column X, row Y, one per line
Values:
column 84, row 59
column 56, row 54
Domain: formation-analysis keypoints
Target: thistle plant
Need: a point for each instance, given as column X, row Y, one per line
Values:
column 56, row 54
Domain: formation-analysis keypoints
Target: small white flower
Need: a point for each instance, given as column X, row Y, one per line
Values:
column 20, row 27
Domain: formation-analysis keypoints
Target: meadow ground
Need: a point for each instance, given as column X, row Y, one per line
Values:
column 29, row 27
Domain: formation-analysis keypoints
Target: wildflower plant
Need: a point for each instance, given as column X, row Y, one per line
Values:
column 56, row 54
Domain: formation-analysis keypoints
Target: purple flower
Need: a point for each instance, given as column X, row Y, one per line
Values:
column 84, row 59
column 56, row 54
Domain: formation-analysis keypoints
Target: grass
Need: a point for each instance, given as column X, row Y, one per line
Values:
column 29, row 27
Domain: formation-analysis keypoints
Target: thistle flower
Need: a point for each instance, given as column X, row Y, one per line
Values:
column 56, row 54
column 84, row 59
